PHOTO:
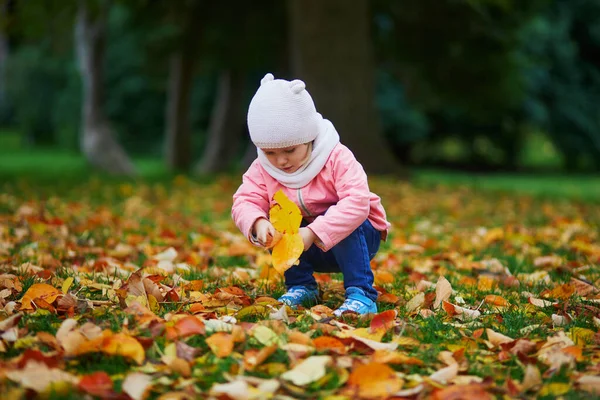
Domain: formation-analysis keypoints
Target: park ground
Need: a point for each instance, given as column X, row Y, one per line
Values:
column 144, row 288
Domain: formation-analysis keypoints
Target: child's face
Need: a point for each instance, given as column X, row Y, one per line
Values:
column 288, row 159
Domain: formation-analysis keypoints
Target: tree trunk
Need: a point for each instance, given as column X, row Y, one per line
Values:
column 178, row 130
column 97, row 138
column 331, row 52
column 3, row 59
column 178, row 135
column 227, row 124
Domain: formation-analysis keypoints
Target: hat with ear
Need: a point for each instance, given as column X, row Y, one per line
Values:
column 282, row 114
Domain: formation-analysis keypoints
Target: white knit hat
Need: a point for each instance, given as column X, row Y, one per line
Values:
column 282, row 114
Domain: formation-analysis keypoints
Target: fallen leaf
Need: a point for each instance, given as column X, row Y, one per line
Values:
column 468, row 391
column 383, row 321
column 308, row 371
column 39, row 290
column 443, row 290
column 136, row 385
column 97, row 384
column 495, row 300
column 373, row 381
column 114, row 344
column 415, row 303
column 589, row 383
column 445, row 374
column 496, row 338
column 220, row 343
column 38, row 377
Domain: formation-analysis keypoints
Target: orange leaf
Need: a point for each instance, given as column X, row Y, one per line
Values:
column 221, row 344
column 388, row 298
column 494, row 300
column 254, row 357
column 394, row 357
column 287, row 251
column 455, row 392
column 382, row 277
column 373, row 380
column 324, row 343
column 185, row 327
column 383, row 321
column 39, row 290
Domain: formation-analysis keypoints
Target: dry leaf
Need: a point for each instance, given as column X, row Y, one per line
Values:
column 415, row 303
column 373, row 381
column 221, row 344
column 496, row 339
column 308, row 371
column 589, row 383
column 136, row 385
column 445, row 374
column 39, row 290
column 38, row 377
column 443, row 290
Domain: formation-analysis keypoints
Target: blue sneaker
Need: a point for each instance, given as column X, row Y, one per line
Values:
column 298, row 295
column 357, row 302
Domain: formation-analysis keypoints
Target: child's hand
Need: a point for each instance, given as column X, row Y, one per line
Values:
column 265, row 233
column 308, row 237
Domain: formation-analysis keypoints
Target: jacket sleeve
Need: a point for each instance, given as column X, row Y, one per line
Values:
column 250, row 201
column 352, row 208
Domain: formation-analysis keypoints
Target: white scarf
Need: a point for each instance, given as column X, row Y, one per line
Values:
column 326, row 140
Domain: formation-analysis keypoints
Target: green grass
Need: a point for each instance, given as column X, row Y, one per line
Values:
column 573, row 187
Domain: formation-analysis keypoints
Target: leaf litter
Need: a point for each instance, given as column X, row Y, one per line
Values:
column 136, row 291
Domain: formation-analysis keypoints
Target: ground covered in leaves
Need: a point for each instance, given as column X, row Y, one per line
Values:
column 148, row 291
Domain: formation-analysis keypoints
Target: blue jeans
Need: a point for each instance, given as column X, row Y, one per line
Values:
column 351, row 257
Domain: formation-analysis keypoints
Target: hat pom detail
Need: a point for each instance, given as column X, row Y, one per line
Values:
column 267, row 78
column 297, row 86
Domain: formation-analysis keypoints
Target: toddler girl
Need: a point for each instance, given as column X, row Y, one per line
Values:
column 343, row 223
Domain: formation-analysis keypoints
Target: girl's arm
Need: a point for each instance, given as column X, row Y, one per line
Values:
column 353, row 206
column 250, row 201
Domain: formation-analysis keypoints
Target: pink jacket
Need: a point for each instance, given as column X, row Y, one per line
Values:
column 335, row 202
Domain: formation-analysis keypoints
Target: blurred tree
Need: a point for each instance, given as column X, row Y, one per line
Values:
column 562, row 46
column 5, row 8
column 97, row 138
column 331, row 51
column 244, row 41
column 458, row 64
column 188, row 16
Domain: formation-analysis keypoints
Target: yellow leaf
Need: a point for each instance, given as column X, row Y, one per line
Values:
column 554, row 389
column 287, row 251
column 286, row 218
column 67, row 284
column 285, row 215
column 114, row 344
column 581, row 335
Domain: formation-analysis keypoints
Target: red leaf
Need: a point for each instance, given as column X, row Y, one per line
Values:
column 36, row 355
column 383, row 320
column 97, row 384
